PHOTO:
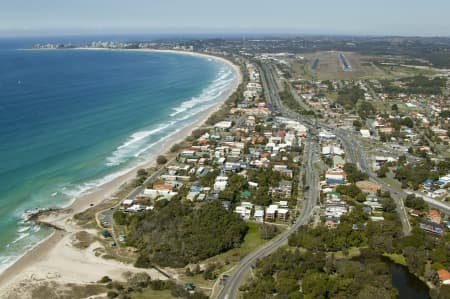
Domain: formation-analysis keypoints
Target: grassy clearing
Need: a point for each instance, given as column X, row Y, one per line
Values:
column 392, row 182
column 317, row 167
column 396, row 258
column 251, row 241
column 352, row 252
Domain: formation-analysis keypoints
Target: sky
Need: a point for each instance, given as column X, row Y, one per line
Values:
column 359, row 17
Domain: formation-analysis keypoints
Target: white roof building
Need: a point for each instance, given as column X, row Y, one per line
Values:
column 223, row 125
column 332, row 149
column 326, row 135
column 365, row 133
column 244, row 212
column 259, row 215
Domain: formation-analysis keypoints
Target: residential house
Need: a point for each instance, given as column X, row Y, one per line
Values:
column 160, row 190
column 271, row 213
column 259, row 215
column 444, row 276
column 432, row 227
column 221, row 183
column 434, row 216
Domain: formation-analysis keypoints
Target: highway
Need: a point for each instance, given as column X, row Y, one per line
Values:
column 312, row 179
column 311, row 196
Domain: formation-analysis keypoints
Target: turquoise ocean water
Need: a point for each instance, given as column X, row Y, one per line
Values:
column 71, row 120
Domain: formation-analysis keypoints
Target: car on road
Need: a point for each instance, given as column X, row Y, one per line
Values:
column 223, row 279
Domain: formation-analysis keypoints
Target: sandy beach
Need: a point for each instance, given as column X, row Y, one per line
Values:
column 56, row 258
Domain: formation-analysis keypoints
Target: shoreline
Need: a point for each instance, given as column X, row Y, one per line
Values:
column 41, row 253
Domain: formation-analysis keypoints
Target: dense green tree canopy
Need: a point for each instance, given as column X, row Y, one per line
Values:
column 176, row 234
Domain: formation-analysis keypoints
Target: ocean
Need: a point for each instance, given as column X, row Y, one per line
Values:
column 71, row 120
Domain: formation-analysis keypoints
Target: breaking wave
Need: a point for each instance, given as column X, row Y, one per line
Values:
column 213, row 92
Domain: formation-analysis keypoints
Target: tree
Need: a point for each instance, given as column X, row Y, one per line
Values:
column 394, row 107
column 161, row 160
column 120, row 217
column 348, row 96
column 407, row 121
column 315, row 284
column 175, row 148
column 361, row 197
column 139, row 281
column 357, row 124
column 388, row 205
column 381, row 173
column 350, row 190
column 353, row 174
column 176, row 233
column 365, row 109
column 142, row 172
column 414, row 202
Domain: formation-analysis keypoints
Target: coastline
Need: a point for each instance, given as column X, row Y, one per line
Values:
column 47, row 255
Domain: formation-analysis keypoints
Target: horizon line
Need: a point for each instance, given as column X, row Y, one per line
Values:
column 242, row 34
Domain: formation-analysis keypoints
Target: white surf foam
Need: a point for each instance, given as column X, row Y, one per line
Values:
column 23, row 229
column 20, row 237
column 137, row 140
column 73, row 192
column 8, row 260
column 210, row 93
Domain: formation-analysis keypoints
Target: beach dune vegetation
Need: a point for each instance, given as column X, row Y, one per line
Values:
column 161, row 160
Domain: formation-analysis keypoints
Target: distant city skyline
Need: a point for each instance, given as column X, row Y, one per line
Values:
column 53, row 17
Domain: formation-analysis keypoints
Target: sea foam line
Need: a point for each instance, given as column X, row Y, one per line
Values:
column 133, row 143
column 9, row 260
column 210, row 93
column 137, row 143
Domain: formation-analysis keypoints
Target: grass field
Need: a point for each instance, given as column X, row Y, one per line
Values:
column 396, row 258
column 252, row 240
column 352, row 252
column 391, row 182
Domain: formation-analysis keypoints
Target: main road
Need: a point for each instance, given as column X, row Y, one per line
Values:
column 352, row 147
column 312, row 180
column 311, row 194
